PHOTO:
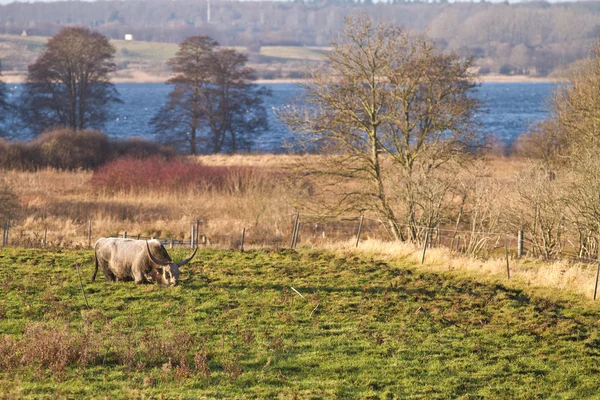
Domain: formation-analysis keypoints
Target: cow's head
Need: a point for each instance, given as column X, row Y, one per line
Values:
column 170, row 269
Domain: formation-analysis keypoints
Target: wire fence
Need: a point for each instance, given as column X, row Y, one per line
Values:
column 308, row 230
column 288, row 231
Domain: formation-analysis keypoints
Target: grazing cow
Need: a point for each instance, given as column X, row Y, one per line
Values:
column 142, row 261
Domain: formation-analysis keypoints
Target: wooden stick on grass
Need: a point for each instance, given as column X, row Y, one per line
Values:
column 81, row 284
column 300, row 294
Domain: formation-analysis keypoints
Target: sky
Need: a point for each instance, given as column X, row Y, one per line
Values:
column 3, row 2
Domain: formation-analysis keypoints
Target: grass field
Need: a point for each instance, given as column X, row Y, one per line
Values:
column 145, row 61
column 235, row 328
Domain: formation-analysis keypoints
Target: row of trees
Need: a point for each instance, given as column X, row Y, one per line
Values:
column 213, row 107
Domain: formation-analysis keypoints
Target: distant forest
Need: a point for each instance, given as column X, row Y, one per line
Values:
column 535, row 38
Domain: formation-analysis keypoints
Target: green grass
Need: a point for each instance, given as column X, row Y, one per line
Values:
column 133, row 51
column 292, row 53
column 364, row 329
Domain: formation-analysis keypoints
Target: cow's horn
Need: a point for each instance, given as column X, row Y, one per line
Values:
column 187, row 260
column 154, row 259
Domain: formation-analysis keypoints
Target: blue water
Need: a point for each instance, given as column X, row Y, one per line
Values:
column 508, row 110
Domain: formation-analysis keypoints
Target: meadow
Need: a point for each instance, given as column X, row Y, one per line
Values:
column 139, row 61
column 288, row 324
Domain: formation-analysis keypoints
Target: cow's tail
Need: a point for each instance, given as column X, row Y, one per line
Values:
column 96, row 269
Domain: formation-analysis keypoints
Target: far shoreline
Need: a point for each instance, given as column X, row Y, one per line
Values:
column 141, row 77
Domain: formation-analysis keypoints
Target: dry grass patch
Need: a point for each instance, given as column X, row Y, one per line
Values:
column 564, row 275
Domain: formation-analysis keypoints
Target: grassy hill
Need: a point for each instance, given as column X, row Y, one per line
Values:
column 16, row 52
column 236, row 328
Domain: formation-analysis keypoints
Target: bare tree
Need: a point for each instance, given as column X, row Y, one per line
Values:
column 394, row 111
column 4, row 107
column 9, row 203
column 214, row 103
column 69, row 85
column 576, row 116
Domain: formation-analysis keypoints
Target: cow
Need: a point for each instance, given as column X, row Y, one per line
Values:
column 143, row 261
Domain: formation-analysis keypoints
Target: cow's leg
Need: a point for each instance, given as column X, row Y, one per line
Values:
column 109, row 276
column 138, row 276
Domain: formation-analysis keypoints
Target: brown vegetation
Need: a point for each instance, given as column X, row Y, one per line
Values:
column 70, row 150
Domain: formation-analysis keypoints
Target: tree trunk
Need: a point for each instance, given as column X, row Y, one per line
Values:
column 387, row 211
column 193, row 150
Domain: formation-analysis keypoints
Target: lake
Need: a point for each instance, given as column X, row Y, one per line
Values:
column 508, row 110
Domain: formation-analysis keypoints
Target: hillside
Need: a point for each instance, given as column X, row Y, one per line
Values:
column 146, row 61
column 534, row 38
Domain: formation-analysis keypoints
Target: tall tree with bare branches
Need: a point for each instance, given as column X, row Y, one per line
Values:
column 69, row 84
column 394, row 111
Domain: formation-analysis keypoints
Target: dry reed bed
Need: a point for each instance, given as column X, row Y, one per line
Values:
column 63, row 201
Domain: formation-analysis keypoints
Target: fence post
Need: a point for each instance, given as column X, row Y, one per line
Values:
column 197, row 230
column 437, row 237
column 520, row 241
column 124, row 234
column 297, row 231
column 457, row 243
column 5, row 233
column 506, row 251
column 596, row 285
column 360, row 225
column 89, row 234
column 45, row 237
column 292, row 244
column 192, row 237
column 243, row 238
column 425, row 246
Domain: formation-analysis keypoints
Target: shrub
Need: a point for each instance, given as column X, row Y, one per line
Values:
column 141, row 148
column 156, row 173
column 19, row 155
column 9, row 203
column 68, row 149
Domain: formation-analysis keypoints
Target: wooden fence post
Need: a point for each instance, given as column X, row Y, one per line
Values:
column 297, row 232
column 457, row 243
column 425, row 246
column 360, row 225
column 5, row 233
column 520, row 240
column 596, row 285
column 506, row 251
column 124, row 234
column 292, row 242
column 243, row 238
column 192, row 237
column 44, row 243
column 89, row 233
column 196, row 233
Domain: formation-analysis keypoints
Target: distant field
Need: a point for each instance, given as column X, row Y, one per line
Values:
column 235, row 328
column 148, row 57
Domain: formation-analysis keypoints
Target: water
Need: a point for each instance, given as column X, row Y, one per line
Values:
column 509, row 110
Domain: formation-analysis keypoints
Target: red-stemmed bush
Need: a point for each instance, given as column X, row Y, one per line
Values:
column 158, row 174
